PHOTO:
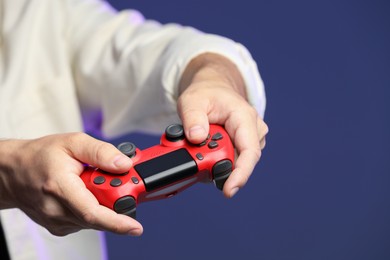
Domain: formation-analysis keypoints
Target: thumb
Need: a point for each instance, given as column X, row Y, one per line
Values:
column 98, row 153
column 193, row 114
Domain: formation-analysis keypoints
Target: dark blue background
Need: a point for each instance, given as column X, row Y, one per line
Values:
column 322, row 189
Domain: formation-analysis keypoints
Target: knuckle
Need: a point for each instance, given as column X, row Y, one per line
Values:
column 89, row 217
column 73, row 140
column 76, row 137
column 252, row 111
column 191, row 113
column 50, row 187
column 51, row 209
column 263, row 143
column 117, row 228
column 265, row 127
column 257, row 152
column 100, row 151
column 244, row 178
column 184, row 98
column 49, row 212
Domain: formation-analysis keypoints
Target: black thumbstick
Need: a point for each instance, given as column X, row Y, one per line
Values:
column 127, row 148
column 174, row 132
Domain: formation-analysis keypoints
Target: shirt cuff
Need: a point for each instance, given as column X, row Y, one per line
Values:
column 192, row 43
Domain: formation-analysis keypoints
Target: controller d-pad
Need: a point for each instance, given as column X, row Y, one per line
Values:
column 126, row 206
column 221, row 171
column 174, row 132
column 205, row 141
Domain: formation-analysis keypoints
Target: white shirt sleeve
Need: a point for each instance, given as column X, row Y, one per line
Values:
column 127, row 68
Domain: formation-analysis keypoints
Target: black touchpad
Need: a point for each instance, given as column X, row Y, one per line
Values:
column 166, row 169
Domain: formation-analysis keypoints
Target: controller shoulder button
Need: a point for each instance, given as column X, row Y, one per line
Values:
column 99, row 180
column 221, row 171
column 222, row 167
column 126, row 205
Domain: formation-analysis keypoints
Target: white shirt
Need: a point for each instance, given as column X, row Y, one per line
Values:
column 78, row 65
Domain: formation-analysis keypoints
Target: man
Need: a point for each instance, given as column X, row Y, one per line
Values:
column 71, row 66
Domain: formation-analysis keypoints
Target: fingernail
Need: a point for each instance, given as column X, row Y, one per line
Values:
column 234, row 191
column 197, row 131
column 122, row 161
column 135, row 232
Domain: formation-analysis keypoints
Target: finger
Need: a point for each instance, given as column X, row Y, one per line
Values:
column 55, row 217
column 243, row 126
column 262, row 143
column 193, row 113
column 90, row 213
column 262, row 128
column 98, row 153
column 63, row 230
column 244, row 167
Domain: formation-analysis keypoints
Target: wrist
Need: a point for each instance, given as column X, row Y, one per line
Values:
column 213, row 67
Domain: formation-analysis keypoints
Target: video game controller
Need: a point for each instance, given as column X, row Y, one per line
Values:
column 163, row 170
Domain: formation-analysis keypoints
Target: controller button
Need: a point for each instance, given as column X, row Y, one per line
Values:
column 221, row 171
column 199, row 156
column 126, row 205
column 127, row 148
column 202, row 143
column 115, row 182
column 99, row 180
column 205, row 141
column 134, row 180
column 174, row 132
column 217, row 136
column 213, row 145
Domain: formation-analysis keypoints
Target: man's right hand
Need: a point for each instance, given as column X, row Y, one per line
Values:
column 41, row 177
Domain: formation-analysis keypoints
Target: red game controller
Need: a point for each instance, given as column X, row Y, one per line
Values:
column 163, row 170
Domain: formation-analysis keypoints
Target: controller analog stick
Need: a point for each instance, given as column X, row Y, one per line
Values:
column 127, row 148
column 174, row 132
